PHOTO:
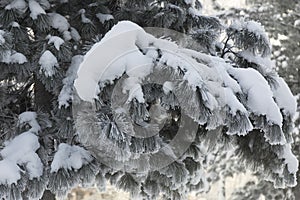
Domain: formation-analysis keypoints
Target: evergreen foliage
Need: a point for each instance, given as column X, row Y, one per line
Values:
column 42, row 43
column 281, row 20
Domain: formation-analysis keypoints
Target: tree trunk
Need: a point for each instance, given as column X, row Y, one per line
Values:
column 42, row 100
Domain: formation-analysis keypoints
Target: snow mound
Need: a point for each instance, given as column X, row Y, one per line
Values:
column 48, row 63
column 20, row 151
column 9, row 172
column 284, row 98
column 29, row 118
column 70, row 157
column 56, row 41
column 104, row 17
column 13, row 57
column 19, row 5
column 59, row 22
column 35, row 9
column 124, row 36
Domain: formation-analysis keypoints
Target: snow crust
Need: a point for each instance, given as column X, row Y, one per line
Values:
column 48, row 62
column 290, row 159
column 2, row 39
column 56, row 41
column 84, row 19
column 132, row 84
column 18, row 58
column 124, row 35
column 260, row 97
column 70, row 158
column 251, row 26
column 20, row 151
column 284, row 98
column 14, row 57
column 297, row 23
column 9, row 172
column 29, row 118
column 104, row 17
column 18, row 5
column 75, row 35
column 191, row 2
column 168, row 86
column 256, row 28
column 35, row 9
column 59, row 22
column 264, row 62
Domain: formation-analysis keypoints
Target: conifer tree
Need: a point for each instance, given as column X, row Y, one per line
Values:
column 54, row 132
column 281, row 20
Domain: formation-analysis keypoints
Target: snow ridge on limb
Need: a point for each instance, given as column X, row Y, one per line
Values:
column 66, row 92
column 72, row 165
column 240, row 101
column 20, row 164
column 251, row 36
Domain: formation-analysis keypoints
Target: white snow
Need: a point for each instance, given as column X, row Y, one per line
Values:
column 233, row 103
column 175, row 59
column 67, row 35
column 22, row 144
column 284, row 98
column 6, row 57
column 21, row 151
column 190, row 2
column 132, row 84
column 75, row 35
column 59, row 22
column 65, row 94
column 15, row 57
column 18, row 58
column 84, row 19
column 70, row 157
column 137, row 64
column 104, row 17
column 29, row 118
column 136, row 92
column 114, row 63
column 45, row 4
column 9, row 172
column 290, row 159
column 56, row 41
column 259, row 95
column 284, row 64
column 35, row 9
column 128, row 49
column 253, row 27
column 15, row 24
column 297, row 23
column 19, row 5
column 2, row 39
column 256, row 28
column 168, row 86
column 48, row 63
column 265, row 62
column 194, row 12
